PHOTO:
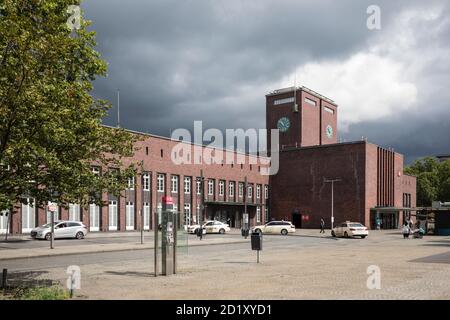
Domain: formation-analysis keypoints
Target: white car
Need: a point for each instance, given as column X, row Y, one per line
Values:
column 210, row 227
column 275, row 227
column 63, row 229
column 350, row 229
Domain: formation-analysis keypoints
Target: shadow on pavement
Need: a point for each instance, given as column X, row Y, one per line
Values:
column 309, row 236
column 131, row 273
column 436, row 258
column 15, row 240
column 28, row 279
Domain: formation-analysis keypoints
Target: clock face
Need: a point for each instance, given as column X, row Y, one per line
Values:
column 329, row 131
column 283, row 124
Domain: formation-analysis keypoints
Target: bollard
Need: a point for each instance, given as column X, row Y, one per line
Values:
column 4, row 278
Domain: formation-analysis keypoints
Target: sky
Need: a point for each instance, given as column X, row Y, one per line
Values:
column 215, row 60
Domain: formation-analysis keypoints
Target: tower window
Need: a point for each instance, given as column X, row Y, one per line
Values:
column 310, row 101
column 329, row 110
column 282, row 101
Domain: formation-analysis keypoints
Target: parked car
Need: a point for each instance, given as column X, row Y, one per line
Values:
column 275, row 227
column 350, row 229
column 210, row 227
column 194, row 228
column 63, row 229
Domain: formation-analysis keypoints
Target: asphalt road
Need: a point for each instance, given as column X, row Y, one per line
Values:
column 270, row 243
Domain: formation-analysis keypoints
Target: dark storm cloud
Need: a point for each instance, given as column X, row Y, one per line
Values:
column 180, row 61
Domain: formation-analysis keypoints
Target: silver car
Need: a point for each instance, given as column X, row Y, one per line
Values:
column 63, row 229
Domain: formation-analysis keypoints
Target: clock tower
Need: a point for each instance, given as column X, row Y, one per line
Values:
column 304, row 117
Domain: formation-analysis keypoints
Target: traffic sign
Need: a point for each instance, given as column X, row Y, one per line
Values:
column 52, row 207
column 167, row 200
column 245, row 217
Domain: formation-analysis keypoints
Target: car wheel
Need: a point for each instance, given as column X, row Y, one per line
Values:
column 362, row 237
column 346, row 234
column 258, row 230
column 48, row 236
column 222, row 231
column 79, row 235
column 195, row 231
column 284, row 232
column 333, row 233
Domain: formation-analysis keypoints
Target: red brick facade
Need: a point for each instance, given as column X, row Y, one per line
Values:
column 372, row 187
column 155, row 154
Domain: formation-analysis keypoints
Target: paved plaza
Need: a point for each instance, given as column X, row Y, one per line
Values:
column 303, row 266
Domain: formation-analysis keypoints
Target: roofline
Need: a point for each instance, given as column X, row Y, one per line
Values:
column 338, row 144
column 191, row 143
column 332, row 145
column 302, row 88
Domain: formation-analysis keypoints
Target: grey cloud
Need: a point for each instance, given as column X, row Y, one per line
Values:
column 180, row 61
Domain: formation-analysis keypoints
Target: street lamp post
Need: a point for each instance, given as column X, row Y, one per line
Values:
column 332, row 181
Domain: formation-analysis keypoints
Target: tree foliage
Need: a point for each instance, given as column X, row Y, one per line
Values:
column 51, row 128
column 433, row 180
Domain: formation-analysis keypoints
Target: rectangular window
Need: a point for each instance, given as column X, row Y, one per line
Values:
column 130, row 183
column 211, row 187
column 250, row 191
column 241, row 189
column 311, row 102
column 112, row 210
column 94, row 217
column 187, row 185
column 329, row 110
column 258, row 191
column 187, row 214
column 282, row 101
column 199, row 186
column 258, row 214
column 266, row 192
column 231, row 189
column 174, row 184
column 28, row 216
column 146, row 181
column 129, row 216
column 267, row 214
column 74, row 212
column 160, row 182
column 221, row 188
column 146, row 213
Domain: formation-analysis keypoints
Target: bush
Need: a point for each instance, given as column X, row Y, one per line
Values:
column 42, row 293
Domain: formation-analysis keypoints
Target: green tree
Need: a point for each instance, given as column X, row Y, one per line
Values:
column 51, row 128
column 433, row 180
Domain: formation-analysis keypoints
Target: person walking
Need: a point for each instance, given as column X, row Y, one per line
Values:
column 322, row 225
column 406, row 230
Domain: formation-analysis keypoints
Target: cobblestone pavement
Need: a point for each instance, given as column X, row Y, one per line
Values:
column 306, row 266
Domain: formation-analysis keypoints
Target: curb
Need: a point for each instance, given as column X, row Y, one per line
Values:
column 46, row 255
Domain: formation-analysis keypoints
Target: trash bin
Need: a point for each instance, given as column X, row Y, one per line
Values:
column 244, row 232
column 256, row 239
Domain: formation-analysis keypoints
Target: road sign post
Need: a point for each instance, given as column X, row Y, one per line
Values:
column 52, row 209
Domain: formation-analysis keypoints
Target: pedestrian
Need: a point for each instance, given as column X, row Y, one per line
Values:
column 200, row 232
column 405, row 230
column 322, row 225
